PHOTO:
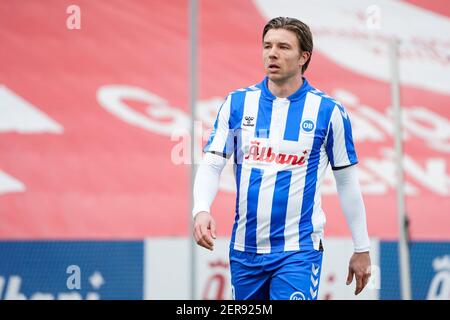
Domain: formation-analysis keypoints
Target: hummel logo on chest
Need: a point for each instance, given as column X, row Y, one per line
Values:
column 248, row 121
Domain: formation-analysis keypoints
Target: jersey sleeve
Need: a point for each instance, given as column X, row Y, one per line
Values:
column 221, row 139
column 339, row 146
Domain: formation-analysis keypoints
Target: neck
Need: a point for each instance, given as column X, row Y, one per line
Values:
column 283, row 89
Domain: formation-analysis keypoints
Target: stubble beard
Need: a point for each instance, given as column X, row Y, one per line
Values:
column 280, row 79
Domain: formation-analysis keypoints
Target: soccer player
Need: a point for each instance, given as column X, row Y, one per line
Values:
column 283, row 133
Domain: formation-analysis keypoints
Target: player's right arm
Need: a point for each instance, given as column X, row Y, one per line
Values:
column 206, row 186
column 220, row 146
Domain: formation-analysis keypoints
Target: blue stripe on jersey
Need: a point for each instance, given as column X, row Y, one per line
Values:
column 236, row 113
column 329, row 146
column 238, row 169
column 348, row 138
column 279, row 208
column 305, row 225
column 264, row 117
column 236, row 110
column 238, row 151
column 228, row 145
column 252, row 207
column 293, row 120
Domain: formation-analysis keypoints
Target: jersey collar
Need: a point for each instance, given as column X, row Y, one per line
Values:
column 300, row 93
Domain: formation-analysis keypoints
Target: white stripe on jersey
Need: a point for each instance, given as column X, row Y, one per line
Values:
column 264, row 212
column 294, row 206
column 310, row 111
column 239, row 241
column 220, row 139
column 280, row 109
column 251, row 106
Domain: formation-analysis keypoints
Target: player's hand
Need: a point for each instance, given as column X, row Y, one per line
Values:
column 204, row 230
column 359, row 266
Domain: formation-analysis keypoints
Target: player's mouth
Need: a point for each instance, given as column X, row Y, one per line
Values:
column 273, row 67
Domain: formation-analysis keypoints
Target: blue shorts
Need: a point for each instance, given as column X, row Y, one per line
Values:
column 290, row 275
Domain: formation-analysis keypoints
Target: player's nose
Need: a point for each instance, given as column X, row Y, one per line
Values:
column 273, row 53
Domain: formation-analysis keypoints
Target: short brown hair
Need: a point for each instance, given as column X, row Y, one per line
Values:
column 300, row 29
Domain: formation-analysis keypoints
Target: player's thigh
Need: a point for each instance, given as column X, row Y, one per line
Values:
column 249, row 282
column 298, row 278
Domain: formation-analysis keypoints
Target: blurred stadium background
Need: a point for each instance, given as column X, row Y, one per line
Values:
column 94, row 160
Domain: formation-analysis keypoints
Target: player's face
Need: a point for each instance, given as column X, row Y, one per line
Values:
column 281, row 55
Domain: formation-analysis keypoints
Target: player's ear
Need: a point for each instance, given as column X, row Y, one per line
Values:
column 304, row 56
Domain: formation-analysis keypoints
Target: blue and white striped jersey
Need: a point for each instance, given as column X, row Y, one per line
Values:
column 281, row 148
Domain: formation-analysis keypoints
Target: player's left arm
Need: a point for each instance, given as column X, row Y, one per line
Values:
column 342, row 155
column 352, row 204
